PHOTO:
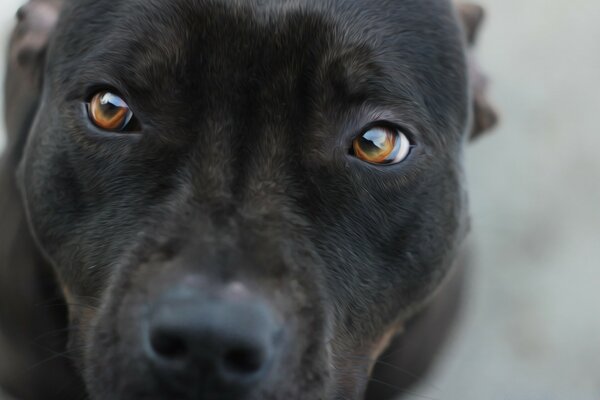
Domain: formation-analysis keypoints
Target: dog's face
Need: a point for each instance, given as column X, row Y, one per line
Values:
column 244, row 200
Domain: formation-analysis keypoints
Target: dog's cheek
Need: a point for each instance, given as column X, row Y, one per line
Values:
column 81, row 314
column 81, row 227
column 108, row 351
column 381, row 345
column 49, row 187
column 354, row 367
column 392, row 270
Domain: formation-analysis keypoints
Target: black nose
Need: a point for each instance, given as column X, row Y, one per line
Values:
column 212, row 346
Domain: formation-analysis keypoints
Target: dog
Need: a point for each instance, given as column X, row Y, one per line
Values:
column 253, row 200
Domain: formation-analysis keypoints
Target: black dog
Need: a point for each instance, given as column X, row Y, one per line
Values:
column 231, row 199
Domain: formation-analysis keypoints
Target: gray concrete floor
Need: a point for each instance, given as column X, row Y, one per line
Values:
column 531, row 326
column 531, row 330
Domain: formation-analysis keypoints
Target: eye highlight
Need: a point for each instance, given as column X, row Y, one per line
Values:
column 382, row 145
column 110, row 112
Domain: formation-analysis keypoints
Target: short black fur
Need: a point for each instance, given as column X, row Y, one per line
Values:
column 241, row 172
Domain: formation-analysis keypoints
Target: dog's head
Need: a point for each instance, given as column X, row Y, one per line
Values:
column 245, row 200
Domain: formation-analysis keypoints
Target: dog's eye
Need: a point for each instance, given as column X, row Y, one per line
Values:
column 382, row 145
column 110, row 112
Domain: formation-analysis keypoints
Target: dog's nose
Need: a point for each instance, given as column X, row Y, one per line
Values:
column 212, row 345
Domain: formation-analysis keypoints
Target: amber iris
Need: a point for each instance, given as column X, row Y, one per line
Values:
column 109, row 111
column 381, row 145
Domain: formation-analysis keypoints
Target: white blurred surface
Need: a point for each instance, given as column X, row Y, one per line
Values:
column 531, row 327
column 8, row 9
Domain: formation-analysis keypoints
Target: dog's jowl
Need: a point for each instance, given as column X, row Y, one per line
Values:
column 213, row 199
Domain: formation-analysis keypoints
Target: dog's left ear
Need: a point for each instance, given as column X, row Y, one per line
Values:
column 484, row 115
column 36, row 21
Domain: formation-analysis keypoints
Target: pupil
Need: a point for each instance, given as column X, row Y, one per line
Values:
column 375, row 141
column 110, row 105
column 110, row 109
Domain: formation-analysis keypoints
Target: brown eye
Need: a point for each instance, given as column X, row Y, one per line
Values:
column 382, row 145
column 109, row 112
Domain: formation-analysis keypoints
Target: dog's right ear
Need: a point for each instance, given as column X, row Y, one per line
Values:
column 36, row 21
column 484, row 115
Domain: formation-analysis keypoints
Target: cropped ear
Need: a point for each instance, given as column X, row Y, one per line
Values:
column 36, row 21
column 484, row 114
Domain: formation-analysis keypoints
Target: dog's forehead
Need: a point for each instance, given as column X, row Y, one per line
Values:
column 413, row 47
column 242, row 27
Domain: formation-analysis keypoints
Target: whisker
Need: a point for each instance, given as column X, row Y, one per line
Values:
column 63, row 304
column 64, row 354
column 59, row 300
column 93, row 308
column 401, row 390
column 55, row 332
column 393, row 366
column 54, row 356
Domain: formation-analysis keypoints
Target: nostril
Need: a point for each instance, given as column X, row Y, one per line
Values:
column 211, row 345
column 243, row 361
column 168, row 345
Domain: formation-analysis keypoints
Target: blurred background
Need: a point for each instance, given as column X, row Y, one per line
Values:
column 530, row 329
